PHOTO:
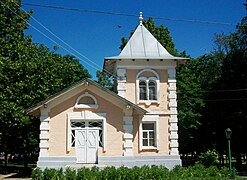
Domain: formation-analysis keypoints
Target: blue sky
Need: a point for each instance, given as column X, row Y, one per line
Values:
column 96, row 36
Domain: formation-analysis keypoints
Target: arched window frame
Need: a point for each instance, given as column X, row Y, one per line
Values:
column 155, row 79
column 86, row 106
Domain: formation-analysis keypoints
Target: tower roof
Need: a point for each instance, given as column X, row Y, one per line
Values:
column 143, row 45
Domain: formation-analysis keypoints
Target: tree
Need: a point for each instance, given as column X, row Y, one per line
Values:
column 29, row 73
column 194, row 81
column 105, row 80
column 212, row 96
column 231, row 102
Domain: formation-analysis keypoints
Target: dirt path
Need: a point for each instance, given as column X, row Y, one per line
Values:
column 9, row 177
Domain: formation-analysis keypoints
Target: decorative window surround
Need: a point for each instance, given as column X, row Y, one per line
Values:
column 44, row 133
column 121, row 87
column 88, row 106
column 86, row 116
column 128, row 132
column 155, row 79
column 173, row 120
column 149, row 119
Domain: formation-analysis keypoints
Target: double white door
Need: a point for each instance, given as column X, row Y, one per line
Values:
column 87, row 142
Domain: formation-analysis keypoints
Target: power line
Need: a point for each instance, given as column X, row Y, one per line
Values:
column 217, row 91
column 129, row 15
column 114, row 76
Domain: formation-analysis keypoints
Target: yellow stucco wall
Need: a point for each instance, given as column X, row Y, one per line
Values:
column 163, row 137
column 58, row 127
column 131, row 89
column 114, row 119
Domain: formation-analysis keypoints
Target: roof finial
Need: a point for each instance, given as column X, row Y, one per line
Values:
column 140, row 18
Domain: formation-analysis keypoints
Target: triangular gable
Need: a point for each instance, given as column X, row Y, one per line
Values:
column 76, row 85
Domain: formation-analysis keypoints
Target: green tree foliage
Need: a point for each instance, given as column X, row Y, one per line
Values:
column 29, row 73
column 231, row 100
column 212, row 96
column 105, row 80
column 194, row 80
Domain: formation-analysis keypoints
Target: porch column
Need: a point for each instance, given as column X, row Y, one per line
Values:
column 44, row 133
column 173, row 120
column 121, row 80
column 128, row 132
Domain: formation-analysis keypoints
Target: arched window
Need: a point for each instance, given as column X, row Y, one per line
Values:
column 86, row 101
column 152, row 90
column 143, row 90
column 147, row 82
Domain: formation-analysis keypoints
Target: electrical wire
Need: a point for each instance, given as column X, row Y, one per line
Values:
column 231, row 90
column 216, row 91
column 105, row 71
column 129, row 15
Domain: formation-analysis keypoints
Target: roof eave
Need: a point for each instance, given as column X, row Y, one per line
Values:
column 139, row 57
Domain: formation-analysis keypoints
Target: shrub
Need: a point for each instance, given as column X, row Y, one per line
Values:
column 198, row 171
column 70, row 174
column 37, row 174
column 209, row 158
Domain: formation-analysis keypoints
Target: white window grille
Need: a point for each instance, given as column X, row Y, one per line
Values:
column 86, row 125
column 148, row 135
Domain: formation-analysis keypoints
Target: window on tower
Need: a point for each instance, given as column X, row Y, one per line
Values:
column 147, row 86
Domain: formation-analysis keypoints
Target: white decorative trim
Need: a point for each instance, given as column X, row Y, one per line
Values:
column 156, row 80
column 86, row 94
column 150, row 70
column 121, row 82
column 152, row 119
column 128, row 133
column 86, row 116
column 44, row 133
column 173, row 120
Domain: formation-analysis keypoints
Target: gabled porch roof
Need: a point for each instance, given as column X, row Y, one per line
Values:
column 80, row 83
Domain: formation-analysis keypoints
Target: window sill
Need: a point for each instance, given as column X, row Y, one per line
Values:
column 148, row 102
column 86, row 106
column 149, row 148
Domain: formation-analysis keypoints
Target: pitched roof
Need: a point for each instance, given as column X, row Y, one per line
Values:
column 143, row 45
column 82, row 82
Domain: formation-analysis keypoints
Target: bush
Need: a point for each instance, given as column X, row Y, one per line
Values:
column 198, row 171
column 209, row 158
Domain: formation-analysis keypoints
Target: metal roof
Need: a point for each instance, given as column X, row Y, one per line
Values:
column 143, row 45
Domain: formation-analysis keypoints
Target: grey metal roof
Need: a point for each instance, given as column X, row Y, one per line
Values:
column 143, row 45
column 51, row 98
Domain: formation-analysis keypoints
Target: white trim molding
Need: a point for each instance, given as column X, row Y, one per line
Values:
column 121, row 82
column 155, row 79
column 149, row 119
column 88, row 106
column 44, row 133
column 173, row 120
column 85, row 116
column 128, row 132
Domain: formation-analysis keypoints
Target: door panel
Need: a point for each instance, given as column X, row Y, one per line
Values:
column 87, row 143
column 92, row 145
column 80, row 145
